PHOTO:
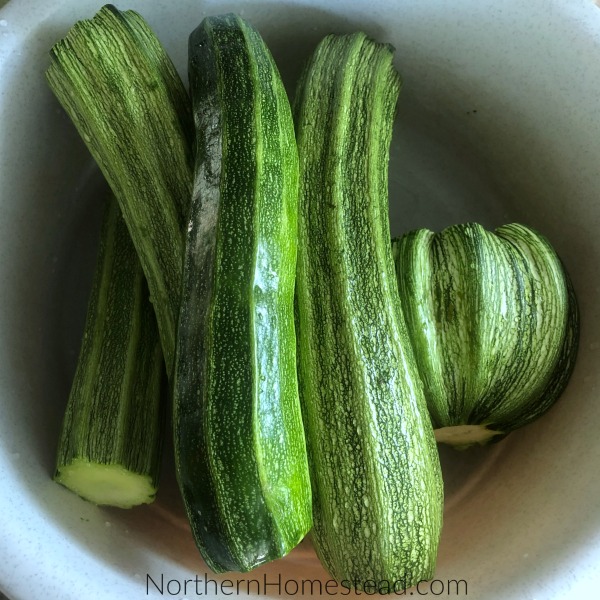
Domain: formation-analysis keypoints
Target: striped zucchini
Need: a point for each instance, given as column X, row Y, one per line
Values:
column 375, row 470
column 109, row 449
column 239, row 442
column 127, row 101
column 494, row 325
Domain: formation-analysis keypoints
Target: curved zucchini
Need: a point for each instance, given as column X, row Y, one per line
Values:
column 127, row 101
column 239, row 443
column 494, row 325
column 110, row 446
column 375, row 472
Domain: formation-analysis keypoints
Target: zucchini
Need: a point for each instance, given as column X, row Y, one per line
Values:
column 494, row 324
column 127, row 101
column 239, row 442
column 375, row 472
column 110, row 445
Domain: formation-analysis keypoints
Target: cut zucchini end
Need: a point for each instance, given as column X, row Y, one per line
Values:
column 464, row 436
column 106, row 485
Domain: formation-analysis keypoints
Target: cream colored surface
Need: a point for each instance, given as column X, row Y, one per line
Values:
column 498, row 122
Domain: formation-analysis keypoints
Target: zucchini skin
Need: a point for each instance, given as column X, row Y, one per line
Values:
column 124, row 96
column 116, row 408
column 375, row 473
column 494, row 323
column 239, row 442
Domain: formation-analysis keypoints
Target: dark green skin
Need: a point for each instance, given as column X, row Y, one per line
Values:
column 127, row 101
column 377, row 487
column 116, row 409
column 239, row 441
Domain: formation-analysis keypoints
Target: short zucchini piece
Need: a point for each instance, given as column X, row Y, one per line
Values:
column 494, row 324
column 110, row 446
column 377, row 487
column 127, row 101
column 239, row 442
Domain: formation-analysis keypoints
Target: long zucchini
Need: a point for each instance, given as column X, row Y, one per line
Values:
column 375, row 470
column 494, row 324
column 127, row 101
column 239, row 442
column 110, row 445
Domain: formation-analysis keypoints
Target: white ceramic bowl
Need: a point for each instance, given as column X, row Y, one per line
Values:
column 499, row 121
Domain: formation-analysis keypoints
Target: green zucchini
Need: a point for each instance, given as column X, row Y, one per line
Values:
column 110, row 445
column 239, row 442
column 127, row 101
column 494, row 324
column 376, row 479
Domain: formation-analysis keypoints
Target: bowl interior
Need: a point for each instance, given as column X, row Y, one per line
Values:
column 498, row 122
